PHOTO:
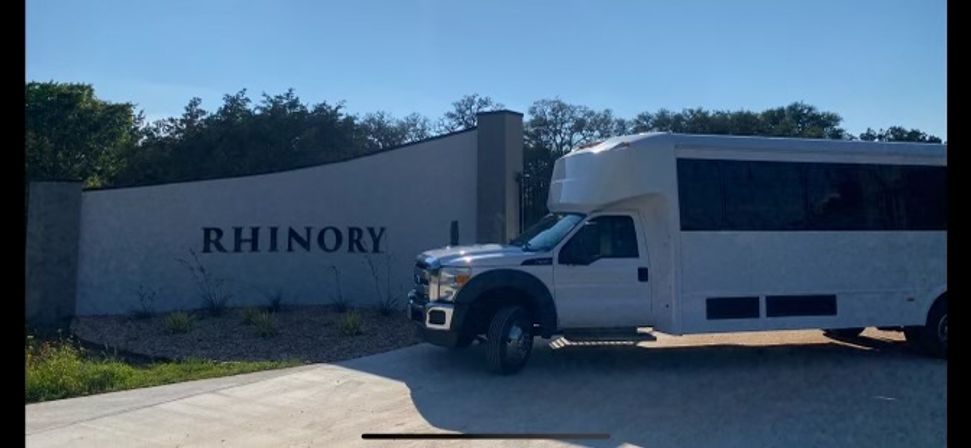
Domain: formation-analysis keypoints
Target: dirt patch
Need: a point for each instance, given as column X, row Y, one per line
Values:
column 306, row 333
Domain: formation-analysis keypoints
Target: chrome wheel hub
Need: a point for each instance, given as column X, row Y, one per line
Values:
column 517, row 341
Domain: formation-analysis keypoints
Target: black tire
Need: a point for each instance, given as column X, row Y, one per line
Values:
column 509, row 341
column 843, row 332
column 931, row 338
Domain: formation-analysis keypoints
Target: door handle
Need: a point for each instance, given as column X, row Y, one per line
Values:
column 642, row 274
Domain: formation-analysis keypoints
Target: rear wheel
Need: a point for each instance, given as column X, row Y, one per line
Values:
column 509, row 340
column 932, row 337
column 843, row 332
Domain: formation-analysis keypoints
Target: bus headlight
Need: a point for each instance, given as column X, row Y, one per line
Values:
column 447, row 283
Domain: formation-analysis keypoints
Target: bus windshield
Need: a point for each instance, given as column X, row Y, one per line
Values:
column 546, row 233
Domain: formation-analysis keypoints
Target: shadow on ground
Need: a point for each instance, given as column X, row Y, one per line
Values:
column 865, row 392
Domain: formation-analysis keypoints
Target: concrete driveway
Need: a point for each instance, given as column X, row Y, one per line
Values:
column 769, row 389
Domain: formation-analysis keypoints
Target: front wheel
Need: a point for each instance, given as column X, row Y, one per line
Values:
column 932, row 337
column 509, row 340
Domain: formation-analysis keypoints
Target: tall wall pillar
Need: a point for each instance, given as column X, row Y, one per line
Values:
column 500, row 165
column 53, row 230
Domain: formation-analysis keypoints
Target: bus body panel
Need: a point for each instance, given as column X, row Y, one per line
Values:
column 804, row 279
column 877, row 278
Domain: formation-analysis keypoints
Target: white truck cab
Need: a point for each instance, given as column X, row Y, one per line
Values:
column 701, row 234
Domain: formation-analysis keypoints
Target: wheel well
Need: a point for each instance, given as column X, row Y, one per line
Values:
column 942, row 297
column 491, row 301
column 939, row 299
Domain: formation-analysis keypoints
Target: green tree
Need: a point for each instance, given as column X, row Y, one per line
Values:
column 464, row 111
column 71, row 134
column 381, row 130
column 898, row 134
column 280, row 132
column 553, row 128
column 558, row 126
column 415, row 127
column 801, row 120
column 795, row 120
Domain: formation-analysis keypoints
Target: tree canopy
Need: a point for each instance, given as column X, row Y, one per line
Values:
column 71, row 134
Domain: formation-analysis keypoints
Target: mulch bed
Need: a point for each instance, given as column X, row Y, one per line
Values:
column 305, row 333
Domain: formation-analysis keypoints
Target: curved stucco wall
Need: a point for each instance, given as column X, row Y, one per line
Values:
column 132, row 238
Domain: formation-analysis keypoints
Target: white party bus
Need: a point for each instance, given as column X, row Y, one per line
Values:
column 705, row 234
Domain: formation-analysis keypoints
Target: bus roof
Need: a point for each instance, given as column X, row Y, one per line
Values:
column 757, row 143
column 629, row 166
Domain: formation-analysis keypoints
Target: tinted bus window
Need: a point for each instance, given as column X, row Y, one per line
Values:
column 774, row 196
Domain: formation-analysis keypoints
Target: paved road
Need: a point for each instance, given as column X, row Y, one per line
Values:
column 768, row 389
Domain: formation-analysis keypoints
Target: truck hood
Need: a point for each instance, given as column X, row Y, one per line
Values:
column 478, row 255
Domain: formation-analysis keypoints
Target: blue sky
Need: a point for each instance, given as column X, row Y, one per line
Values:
column 877, row 63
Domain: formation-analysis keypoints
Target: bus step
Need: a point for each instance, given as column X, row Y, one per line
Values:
column 608, row 335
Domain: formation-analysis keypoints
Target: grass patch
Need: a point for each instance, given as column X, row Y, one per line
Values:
column 388, row 306
column 61, row 369
column 250, row 315
column 264, row 325
column 179, row 322
column 350, row 324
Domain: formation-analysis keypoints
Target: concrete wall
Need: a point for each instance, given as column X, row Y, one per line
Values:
column 52, row 252
column 251, row 231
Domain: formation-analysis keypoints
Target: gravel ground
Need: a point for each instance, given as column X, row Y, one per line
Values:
column 306, row 333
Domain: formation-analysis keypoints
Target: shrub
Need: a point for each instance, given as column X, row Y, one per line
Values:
column 350, row 324
column 60, row 368
column 387, row 303
column 212, row 289
column 146, row 303
column 250, row 315
column 264, row 325
column 339, row 303
column 178, row 322
column 50, row 368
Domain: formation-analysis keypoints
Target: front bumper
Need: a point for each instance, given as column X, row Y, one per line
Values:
column 436, row 323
